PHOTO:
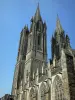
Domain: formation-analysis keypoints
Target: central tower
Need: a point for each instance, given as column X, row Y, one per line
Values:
column 36, row 56
column 32, row 54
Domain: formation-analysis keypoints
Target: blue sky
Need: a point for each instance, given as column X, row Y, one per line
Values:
column 14, row 14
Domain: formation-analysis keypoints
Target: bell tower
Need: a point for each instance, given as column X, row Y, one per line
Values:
column 32, row 54
column 36, row 51
column 20, row 64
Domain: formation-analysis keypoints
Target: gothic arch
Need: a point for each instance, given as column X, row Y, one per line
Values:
column 45, row 91
column 39, row 41
column 57, row 89
column 39, row 26
column 33, row 94
column 42, row 91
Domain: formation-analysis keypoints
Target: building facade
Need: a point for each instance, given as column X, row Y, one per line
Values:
column 34, row 77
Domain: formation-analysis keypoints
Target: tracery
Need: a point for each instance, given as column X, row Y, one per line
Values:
column 58, row 89
column 33, row 94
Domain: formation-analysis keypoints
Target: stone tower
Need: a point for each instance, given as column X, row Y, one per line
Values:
column 62, row 63
column 34, row 77
column 32, row 55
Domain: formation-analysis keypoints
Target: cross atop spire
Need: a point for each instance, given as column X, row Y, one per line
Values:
column 37, row 16
column 58, row 25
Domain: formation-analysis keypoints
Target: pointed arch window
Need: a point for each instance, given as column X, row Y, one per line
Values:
column 33, row 94
column 45, row 91
column 39, row 26
column 43, row 95
column 39, row 39
column 42, row 89
column 57, row 89
column 39, row 42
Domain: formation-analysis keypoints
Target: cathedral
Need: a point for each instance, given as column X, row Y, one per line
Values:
column 35, row 78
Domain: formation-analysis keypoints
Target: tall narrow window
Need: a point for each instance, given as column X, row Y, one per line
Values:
column 39, row 42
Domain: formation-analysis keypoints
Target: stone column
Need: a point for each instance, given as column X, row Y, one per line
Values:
column 65, row 76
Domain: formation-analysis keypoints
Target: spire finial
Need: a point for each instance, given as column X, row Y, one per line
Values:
column 37, row 16
column 58, row 21
column 38, row 9
column 38, row 5
column 58, row 24
column 57, row 16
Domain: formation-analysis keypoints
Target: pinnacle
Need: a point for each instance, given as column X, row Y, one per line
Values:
column 58, row 24
column 37, row 16
column 26, row 27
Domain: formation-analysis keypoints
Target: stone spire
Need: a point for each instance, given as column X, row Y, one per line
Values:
column 26, row 27
column 37, row 16
column 58, row 25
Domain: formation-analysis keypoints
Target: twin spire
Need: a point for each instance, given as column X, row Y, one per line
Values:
column 37, row 17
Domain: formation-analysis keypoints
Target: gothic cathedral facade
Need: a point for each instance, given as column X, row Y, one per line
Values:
column 34, row 77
